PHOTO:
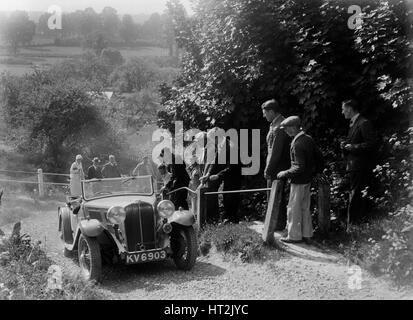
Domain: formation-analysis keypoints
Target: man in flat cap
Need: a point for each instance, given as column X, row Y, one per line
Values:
column 278, row 157
column 306, row 161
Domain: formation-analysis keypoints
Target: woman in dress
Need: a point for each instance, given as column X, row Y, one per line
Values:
column 76, row 175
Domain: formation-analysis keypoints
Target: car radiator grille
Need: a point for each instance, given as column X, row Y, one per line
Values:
column 140, row 227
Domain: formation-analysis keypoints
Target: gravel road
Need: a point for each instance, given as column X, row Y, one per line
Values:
column 302, row 272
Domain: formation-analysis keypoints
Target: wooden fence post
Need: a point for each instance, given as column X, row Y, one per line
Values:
column 273, row 209
column 40, row 182
column 201, row 207
column 323, row 202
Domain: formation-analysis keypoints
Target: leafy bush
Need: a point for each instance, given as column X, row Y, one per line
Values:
column 233, row 239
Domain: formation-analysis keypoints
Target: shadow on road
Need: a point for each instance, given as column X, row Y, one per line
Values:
column 154, row 276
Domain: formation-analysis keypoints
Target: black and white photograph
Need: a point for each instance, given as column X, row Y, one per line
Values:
column 206, row 154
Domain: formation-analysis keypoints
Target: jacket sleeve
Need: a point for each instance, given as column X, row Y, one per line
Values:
column 369, row 140
column 298, row 165
column 277, row 148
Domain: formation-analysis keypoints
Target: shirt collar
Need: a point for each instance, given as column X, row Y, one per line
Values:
column 353, row 119
column 296, row 137
column 274, row 122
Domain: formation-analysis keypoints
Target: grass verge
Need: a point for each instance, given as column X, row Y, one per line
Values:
column 384, row 245
column 26, row 273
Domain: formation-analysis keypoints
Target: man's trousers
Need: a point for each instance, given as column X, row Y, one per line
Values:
column 357, row 207
column 299, row 222
column 282, row 210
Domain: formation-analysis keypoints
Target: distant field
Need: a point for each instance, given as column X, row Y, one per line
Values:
column 42, row 57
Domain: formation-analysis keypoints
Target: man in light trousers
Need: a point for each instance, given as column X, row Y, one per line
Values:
column 304, row 155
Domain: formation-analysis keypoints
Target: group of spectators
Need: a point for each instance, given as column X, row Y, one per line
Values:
column 292, row 156
column 205, row 170
column 95, row 171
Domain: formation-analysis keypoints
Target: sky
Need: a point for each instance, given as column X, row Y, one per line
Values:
column 122, row 6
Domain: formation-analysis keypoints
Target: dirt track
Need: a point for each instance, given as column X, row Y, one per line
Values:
column 304, row 272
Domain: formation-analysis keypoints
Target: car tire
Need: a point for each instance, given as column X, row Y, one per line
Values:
column 67, row 234
column 90, row 260
column 67, row 253
column 184, row 247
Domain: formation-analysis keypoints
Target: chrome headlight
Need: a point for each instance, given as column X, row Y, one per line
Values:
column 166, row 208
column 116, row 215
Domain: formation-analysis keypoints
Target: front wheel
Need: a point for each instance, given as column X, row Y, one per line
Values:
column 90, row 260
column 184, row 247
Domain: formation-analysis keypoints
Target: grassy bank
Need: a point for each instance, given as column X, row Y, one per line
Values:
column 26, row 271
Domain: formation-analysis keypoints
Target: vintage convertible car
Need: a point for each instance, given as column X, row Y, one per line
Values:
column 122, row 220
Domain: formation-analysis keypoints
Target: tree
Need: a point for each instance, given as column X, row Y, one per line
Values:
column 238, row 53
column 135, row 75
column 18, row 30
column 110, row 22
column 128, row 29
column 55, row 118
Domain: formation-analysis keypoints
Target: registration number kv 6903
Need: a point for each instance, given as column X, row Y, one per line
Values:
column 145, row 256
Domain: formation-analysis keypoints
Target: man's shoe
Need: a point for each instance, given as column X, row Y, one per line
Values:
column 288, row 240
column 307, row 240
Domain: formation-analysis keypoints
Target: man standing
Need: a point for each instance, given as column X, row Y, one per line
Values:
column 179, row 178
column 94, row 172
column 304, row 156
column 358, row 150
column 111, row 169
column 278, row 158
column 228, row 173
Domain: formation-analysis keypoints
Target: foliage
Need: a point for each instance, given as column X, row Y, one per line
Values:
column 18, row 30
column 238, row 53
column 132, row 76
column 24, row 272
column 112, row 57
column 233, row 239
column 54, row 119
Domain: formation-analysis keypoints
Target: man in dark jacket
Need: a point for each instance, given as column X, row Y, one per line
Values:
column 278, row 157
column 304, row 155
column 359, row 151
column 94, row 171
column 230, row 174
column 111, row 169
column 179, row 178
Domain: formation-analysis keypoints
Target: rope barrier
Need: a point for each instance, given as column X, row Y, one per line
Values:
column 183, row 188
column 238, row 191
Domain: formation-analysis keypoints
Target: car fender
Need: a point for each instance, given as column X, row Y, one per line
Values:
column 91, row 228
column 185, row 218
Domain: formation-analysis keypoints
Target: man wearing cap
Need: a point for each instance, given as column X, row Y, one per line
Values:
column 304, row 158
column 94, row 171
column 76, row 175
column 359, row 153
column 111, row 169
column 278, row 157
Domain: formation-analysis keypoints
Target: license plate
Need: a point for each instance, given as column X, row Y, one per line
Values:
column 145, row 256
